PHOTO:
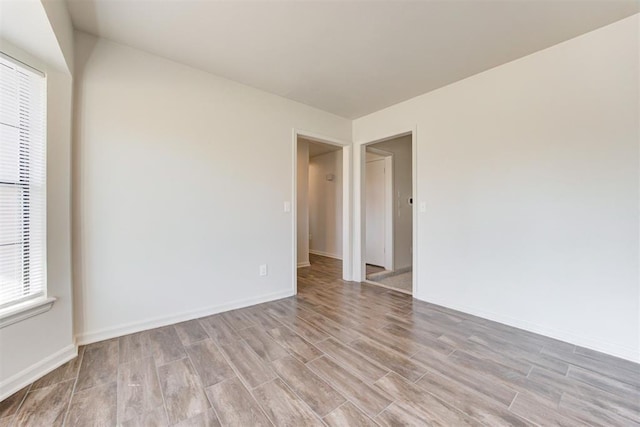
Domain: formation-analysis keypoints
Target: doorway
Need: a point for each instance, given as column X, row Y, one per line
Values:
column 321, row 226
column 388, row 189
column 379, row 208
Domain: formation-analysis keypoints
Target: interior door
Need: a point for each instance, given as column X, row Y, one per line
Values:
column 375, row 212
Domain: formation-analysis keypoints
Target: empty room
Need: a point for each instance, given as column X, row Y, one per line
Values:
column 319, row 213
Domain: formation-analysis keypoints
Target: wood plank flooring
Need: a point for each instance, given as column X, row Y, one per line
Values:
column 337, row 354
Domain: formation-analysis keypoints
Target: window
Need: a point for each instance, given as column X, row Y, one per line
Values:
column 22, row 183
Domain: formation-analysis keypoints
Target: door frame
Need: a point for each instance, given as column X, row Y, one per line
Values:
column 388, row 206
column 359, row 244
column 347, row 252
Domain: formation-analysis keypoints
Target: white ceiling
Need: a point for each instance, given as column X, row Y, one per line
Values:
column 350, row 58
column 318, row 148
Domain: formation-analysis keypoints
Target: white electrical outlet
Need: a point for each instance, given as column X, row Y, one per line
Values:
column 263, row 270
column 287, row 206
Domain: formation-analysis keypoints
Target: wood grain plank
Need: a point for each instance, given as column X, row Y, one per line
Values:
column 367, row 398
column 353, row 360
column 295, row 344
column 183, row 392
column 262, row 343
column 329, row 326
column 591, row 413
column 206, row 419
column 219, row 329
column 238, row 319
column 165, row 345
column 503, row 349
column 10, row 405
column 304, row 329
column 609, row 360
column 253, row 370
column 470, row 402
column 139, row 389
column 390, row 359
column 68, row 371
column 209, row 362
column 94, row 406
column 155, row 418
column 316, row 392
column 403, row 345
column 477, row 381
column 45, row 406
column 99, row 365
column 283, row 407
column 555, row 386
column 401, row 414
column 348, row 415
column 423, row 404
column 235, row 406
column 134, row 347
column 541, row 412
column 190, row 332
column 604, row 367
column 604, row 382
column 262, row 318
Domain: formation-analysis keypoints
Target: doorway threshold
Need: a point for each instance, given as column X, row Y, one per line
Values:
column 382, row 285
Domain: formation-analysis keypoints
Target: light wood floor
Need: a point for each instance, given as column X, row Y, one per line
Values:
column 339, row 353
column 372, row 269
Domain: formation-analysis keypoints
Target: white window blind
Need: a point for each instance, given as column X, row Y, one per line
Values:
column 22, row 182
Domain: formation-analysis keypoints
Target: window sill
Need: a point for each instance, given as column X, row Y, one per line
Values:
column 22, row 311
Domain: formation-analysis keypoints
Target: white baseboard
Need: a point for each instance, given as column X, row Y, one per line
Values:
column 327, row 254
column 616, row 350
column 36, row 371
column 304, row 264
column 130, row 328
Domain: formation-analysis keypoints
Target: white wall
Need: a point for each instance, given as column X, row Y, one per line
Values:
column 179, row 189
column 325, row 204
column 37, row 345
column 530, row 176
column 402, row 191
column 302, row 202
